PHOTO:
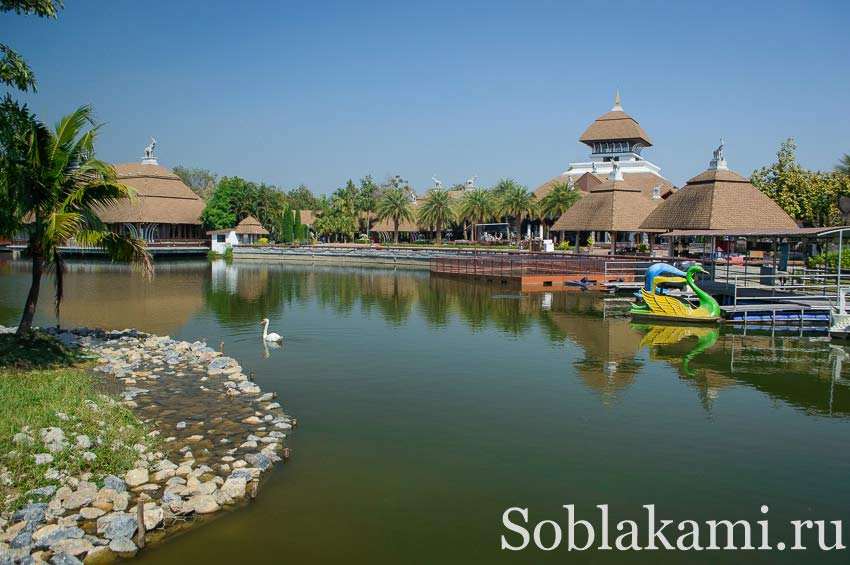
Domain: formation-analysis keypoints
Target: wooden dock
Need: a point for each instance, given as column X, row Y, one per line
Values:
column 536, row 272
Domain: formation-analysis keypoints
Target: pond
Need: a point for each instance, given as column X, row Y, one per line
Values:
column 428, row 406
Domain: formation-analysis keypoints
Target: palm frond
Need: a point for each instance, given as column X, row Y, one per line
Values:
column 127, row 249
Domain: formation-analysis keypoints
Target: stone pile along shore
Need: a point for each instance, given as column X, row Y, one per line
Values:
column 218, row 433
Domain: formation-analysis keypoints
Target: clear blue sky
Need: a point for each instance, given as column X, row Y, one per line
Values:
column 319, row 92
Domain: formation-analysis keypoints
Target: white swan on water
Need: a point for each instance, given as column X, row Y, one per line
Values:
column 269, row 336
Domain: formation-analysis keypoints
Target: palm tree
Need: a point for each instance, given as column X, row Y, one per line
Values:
column 52, row 186
column 395, row 204
column 843, row 166
column 477, row 206
column 436, row 210
column 517, row 201
column 499, row 190
column 560, row 199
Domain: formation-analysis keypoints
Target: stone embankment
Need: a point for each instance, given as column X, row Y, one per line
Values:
column 215, row 432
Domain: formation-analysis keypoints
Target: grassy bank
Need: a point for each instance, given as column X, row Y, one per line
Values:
column 42, row 386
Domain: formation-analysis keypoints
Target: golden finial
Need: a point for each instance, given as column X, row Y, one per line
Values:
column 617, row 100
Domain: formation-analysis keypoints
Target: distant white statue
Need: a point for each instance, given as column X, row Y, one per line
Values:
column 437, row 183
column 718, row 153
column 149, row 149
column 470, row 182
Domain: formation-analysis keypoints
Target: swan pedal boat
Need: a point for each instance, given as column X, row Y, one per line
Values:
column 663, row 307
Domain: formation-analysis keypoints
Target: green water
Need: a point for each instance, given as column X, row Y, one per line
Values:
column 427, row 407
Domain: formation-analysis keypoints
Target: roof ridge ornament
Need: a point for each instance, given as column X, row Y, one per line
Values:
column 149, row 157
column 617, row 107
column 718, row 162
column 615, row 174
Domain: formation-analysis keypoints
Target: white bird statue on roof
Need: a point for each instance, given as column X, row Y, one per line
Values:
column 269, row 336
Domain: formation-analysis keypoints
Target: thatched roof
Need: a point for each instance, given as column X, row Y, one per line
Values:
column 249, row 225
column 718, row 199
column 607, row 209
column 308, row 217
column 588, row 182
column 161, row 197
column 585, row 183
column 615, row 125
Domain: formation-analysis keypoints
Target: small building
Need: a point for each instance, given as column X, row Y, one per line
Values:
column 614, row 137
column 164, row 211
column 247, row 232
column 612, row 207
column 718, row 199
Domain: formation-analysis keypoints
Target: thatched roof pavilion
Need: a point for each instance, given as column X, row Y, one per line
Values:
column 162, row 197
column 615, row 125
column 248, row 226
column 614, row 206
column 718, row 199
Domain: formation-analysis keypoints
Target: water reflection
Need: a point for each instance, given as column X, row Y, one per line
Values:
column 612, row 353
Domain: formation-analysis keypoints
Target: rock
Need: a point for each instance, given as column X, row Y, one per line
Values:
column 252, row 420
column 165, row 465
column 43, row 491
column 117, row 525
column 43, row 458
column 53, row 439
column 22, row 439
column 123, row 546
column 83, row 442
column 136, row 477
column 100, row 556
column 33, row 514
column 64, row 559
column 57, row 535
column 121, row 501
column 259, row 461
column 75, row 547
column 153, row 516
column 91, row 513
column 44, row 530
column 249, row 445
column 163, row 475
column 77, row 500
column 203, row 504
column 89, row 456
column 194, row 438
column 181, row 425
column 234, row 487
column 114, row 483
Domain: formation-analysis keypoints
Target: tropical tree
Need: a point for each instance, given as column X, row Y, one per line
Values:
column 808, row 196
column 517, row 201
column 14, row 70
column 302, row 198
column 436, row 211
column 339, row 213
column 477, row 205
column 843, row 165
column 560, row 199
column 201, row 181
column 395, row 204
column 287, row 225
column 367, row 200
column 52, row 187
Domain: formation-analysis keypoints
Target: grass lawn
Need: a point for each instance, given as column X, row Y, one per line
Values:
column 43, row 386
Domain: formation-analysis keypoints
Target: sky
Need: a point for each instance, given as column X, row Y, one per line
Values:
column 319, row 92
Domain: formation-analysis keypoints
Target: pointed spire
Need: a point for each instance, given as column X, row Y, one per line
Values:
column 617, row 107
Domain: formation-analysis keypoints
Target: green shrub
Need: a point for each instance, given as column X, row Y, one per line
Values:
column 263, row 241
column 830, row 260
column 565, row 246
column 643, row 247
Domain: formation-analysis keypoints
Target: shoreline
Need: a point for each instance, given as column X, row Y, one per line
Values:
column 202, row 463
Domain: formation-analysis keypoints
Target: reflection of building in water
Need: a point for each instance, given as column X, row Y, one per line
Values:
column 796, row 371
column 609, row 345
column 97, row 296
column 224, row 276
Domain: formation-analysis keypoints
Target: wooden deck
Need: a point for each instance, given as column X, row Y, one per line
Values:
column 535, row 272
